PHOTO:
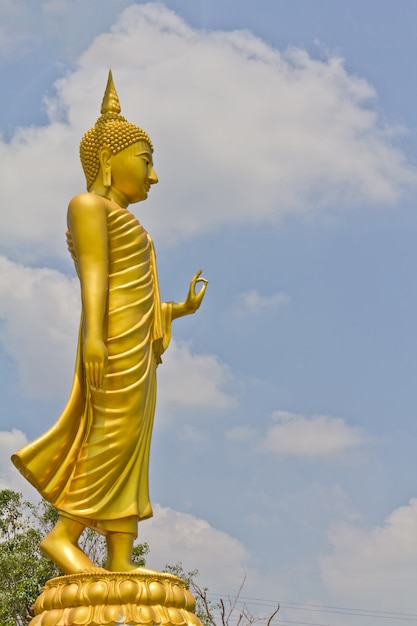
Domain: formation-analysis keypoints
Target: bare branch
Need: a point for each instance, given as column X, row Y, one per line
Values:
column 202, row 594
column 224, row 622
column 271, row 617
column 240, row 618
column 239, row 591
column 229, row 612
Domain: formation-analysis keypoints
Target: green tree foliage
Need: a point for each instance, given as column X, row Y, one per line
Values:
column 139, row 554
column 205, row 609
column 23, row 569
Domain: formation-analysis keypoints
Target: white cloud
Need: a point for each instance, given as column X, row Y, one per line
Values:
column 254, row 303
column 242, row 434
column 193, row 380
column 175, row 536
column 243, row 132
column 38, row 180
column 376, row 565
column 310, row 437
column 10, row 478
column 39, row 314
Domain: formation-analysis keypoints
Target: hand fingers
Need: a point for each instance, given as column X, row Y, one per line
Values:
column 94, row 374
column 196, row 276
column 90, row 374
column 97, row 377
column 202, row 287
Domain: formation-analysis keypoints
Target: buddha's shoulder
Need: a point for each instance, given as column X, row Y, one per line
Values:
column 86, row 202
column 88, row 199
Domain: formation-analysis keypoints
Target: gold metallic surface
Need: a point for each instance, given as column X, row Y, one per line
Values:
column 109, row 599
column 92, row 465
column 111, row 130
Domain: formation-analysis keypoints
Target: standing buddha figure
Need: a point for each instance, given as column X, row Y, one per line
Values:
column 92, row 465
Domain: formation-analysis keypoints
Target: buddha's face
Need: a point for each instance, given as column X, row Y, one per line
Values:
column 132, row 172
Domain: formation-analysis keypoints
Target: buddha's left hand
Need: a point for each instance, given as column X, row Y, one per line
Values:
column 193, row 299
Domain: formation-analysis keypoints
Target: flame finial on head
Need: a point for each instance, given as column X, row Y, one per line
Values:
column 110, row 102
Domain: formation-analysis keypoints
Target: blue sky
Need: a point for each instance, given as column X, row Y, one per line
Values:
column 285, row 139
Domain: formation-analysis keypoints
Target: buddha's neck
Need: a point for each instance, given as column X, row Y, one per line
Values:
column 110, row 194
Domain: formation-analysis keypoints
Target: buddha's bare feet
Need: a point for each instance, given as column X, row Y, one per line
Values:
column 119, row 554
column 61, row 547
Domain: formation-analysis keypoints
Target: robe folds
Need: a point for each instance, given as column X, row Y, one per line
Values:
column 93, row 463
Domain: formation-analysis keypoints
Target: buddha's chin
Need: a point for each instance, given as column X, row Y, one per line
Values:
column 142, row 196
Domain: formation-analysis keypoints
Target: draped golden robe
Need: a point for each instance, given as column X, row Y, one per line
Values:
column 93, row 463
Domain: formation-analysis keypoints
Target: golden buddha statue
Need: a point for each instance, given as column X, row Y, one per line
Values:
column 92, row 465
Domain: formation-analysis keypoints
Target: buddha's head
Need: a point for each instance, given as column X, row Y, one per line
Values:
column 112, row 133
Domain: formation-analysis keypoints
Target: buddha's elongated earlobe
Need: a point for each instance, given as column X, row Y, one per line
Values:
column 104, row 158
column 107, row 177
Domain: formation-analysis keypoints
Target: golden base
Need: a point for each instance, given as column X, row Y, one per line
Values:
column 112, row 599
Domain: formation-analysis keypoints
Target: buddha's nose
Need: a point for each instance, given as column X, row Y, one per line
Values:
column 153, row 178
